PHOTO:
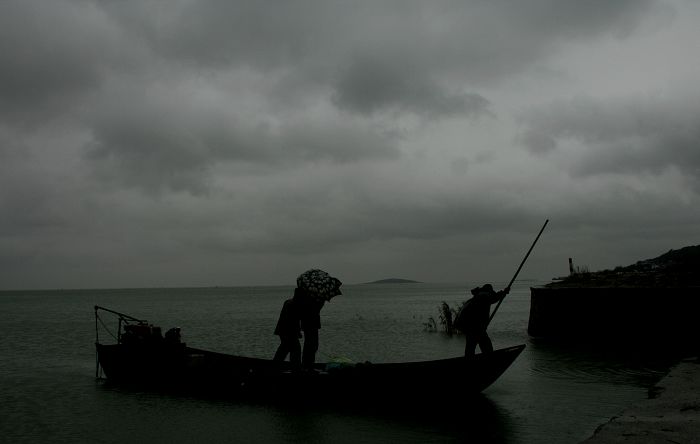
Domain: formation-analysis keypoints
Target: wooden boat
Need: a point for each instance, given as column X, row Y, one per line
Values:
column 155, row 362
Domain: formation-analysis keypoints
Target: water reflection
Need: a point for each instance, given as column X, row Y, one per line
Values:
column 595, row 362
column 475, row 420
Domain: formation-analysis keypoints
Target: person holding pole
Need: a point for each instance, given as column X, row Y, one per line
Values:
column 473, row 318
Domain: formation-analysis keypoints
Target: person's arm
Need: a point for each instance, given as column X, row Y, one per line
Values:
column 497, row 296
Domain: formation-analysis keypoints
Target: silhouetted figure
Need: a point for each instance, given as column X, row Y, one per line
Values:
column 310, row 324
column 314, row 288
column 473, row 319
column 289, row 330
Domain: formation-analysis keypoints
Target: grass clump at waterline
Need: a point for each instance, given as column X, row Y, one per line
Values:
column 446, row 317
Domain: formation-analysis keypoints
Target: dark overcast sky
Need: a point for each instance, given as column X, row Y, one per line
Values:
column 189, row 143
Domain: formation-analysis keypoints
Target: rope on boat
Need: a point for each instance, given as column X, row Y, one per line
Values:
column 123, row 318
column 97, row 341
column 98, row 318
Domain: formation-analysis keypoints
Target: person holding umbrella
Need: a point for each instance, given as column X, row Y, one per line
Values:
column 314, row 288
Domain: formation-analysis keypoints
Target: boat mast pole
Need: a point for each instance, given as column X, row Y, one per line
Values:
column 518, row 270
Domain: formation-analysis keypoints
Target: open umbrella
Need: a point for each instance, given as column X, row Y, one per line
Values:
column 319, row 284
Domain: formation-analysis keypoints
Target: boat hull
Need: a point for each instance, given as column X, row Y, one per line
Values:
column 189, row 369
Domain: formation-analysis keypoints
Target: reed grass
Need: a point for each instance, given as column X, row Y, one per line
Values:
column 446, row 315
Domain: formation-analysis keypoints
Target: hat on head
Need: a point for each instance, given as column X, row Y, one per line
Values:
column 486, row 288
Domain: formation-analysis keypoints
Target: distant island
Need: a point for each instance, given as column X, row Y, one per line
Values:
column 676, row 268
column 394, row 281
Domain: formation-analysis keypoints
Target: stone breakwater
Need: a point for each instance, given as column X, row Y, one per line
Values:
column 670, row 415
column 633, row 314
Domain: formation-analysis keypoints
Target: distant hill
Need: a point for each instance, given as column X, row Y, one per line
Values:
column 394, row 281
column 676, row 268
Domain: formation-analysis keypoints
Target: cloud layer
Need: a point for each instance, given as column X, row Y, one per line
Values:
column 223, row 143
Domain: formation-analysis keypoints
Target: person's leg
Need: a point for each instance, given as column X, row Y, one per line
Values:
column 308, row 357
column 282, row 350
column 485, row 343
column 295, row 353
column 470, row 346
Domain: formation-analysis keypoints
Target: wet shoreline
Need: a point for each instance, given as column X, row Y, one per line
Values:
column 670, row 414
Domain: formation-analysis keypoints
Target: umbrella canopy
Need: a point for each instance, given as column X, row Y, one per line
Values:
column 319, row 284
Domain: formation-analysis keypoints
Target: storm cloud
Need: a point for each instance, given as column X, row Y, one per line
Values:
column 622, row 135
column 197, row 142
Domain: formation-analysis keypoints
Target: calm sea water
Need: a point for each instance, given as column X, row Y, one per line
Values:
column 49, row 393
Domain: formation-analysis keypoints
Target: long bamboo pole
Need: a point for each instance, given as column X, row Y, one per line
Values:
column 519, row 268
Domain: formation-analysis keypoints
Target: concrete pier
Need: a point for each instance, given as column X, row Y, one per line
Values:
column 671, row 415
column 638, row 314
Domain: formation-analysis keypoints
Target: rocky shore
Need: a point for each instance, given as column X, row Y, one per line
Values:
column 674, row 269
column 670, row 415
column 652, row 301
